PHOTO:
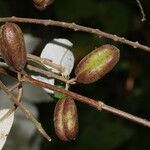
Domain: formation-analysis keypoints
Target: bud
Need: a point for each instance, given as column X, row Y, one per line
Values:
column 42, row 4
column 97, row 63
column 66, row 119
column 12, row 46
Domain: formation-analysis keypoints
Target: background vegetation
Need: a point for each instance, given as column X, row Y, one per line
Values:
column 126, row 87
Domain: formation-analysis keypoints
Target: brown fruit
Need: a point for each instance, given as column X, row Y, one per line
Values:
column 97, row 63
column 66, row 119
column 12, row 46
column 42, row 4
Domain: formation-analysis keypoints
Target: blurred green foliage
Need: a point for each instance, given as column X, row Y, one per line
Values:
column 99, row 130
column 4, row 11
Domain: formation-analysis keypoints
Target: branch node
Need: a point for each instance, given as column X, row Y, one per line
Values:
column 100, row 105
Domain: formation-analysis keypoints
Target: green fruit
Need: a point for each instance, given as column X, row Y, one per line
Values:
column 66, row 119
column 12, row 46
column 97, row 63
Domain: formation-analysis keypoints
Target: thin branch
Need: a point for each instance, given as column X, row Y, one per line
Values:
column 94, row 103
column 13, row 87
column 11, row 110
column 97, row 104
column 46, row 62
column 141, row 10
column 76, row 27
column 28, row 114
column 45, row 72
column 48, row 74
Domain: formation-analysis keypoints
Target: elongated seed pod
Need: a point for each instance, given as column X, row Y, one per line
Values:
column 12, row 46
column 42, row 4
column 97, row 63
column 66, row 119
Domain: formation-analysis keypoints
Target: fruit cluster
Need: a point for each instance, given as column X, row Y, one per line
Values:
column 91, row 68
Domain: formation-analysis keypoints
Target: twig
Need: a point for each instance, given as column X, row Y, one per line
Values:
column 44, row 72
column 76, row 27
column 19, row 97
column 46, row 62
column 13, row 87
column 28, row 114
column 97, row 104
column 20, row 93
column 141, row 10
column 48, row 74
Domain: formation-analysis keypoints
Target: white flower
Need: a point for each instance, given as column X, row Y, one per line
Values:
column 58, row 50
column 5, row 126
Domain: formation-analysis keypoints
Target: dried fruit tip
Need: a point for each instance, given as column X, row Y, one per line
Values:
column 66, row 119
column 97, row 63
column 12, row 46
column 42, row 4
